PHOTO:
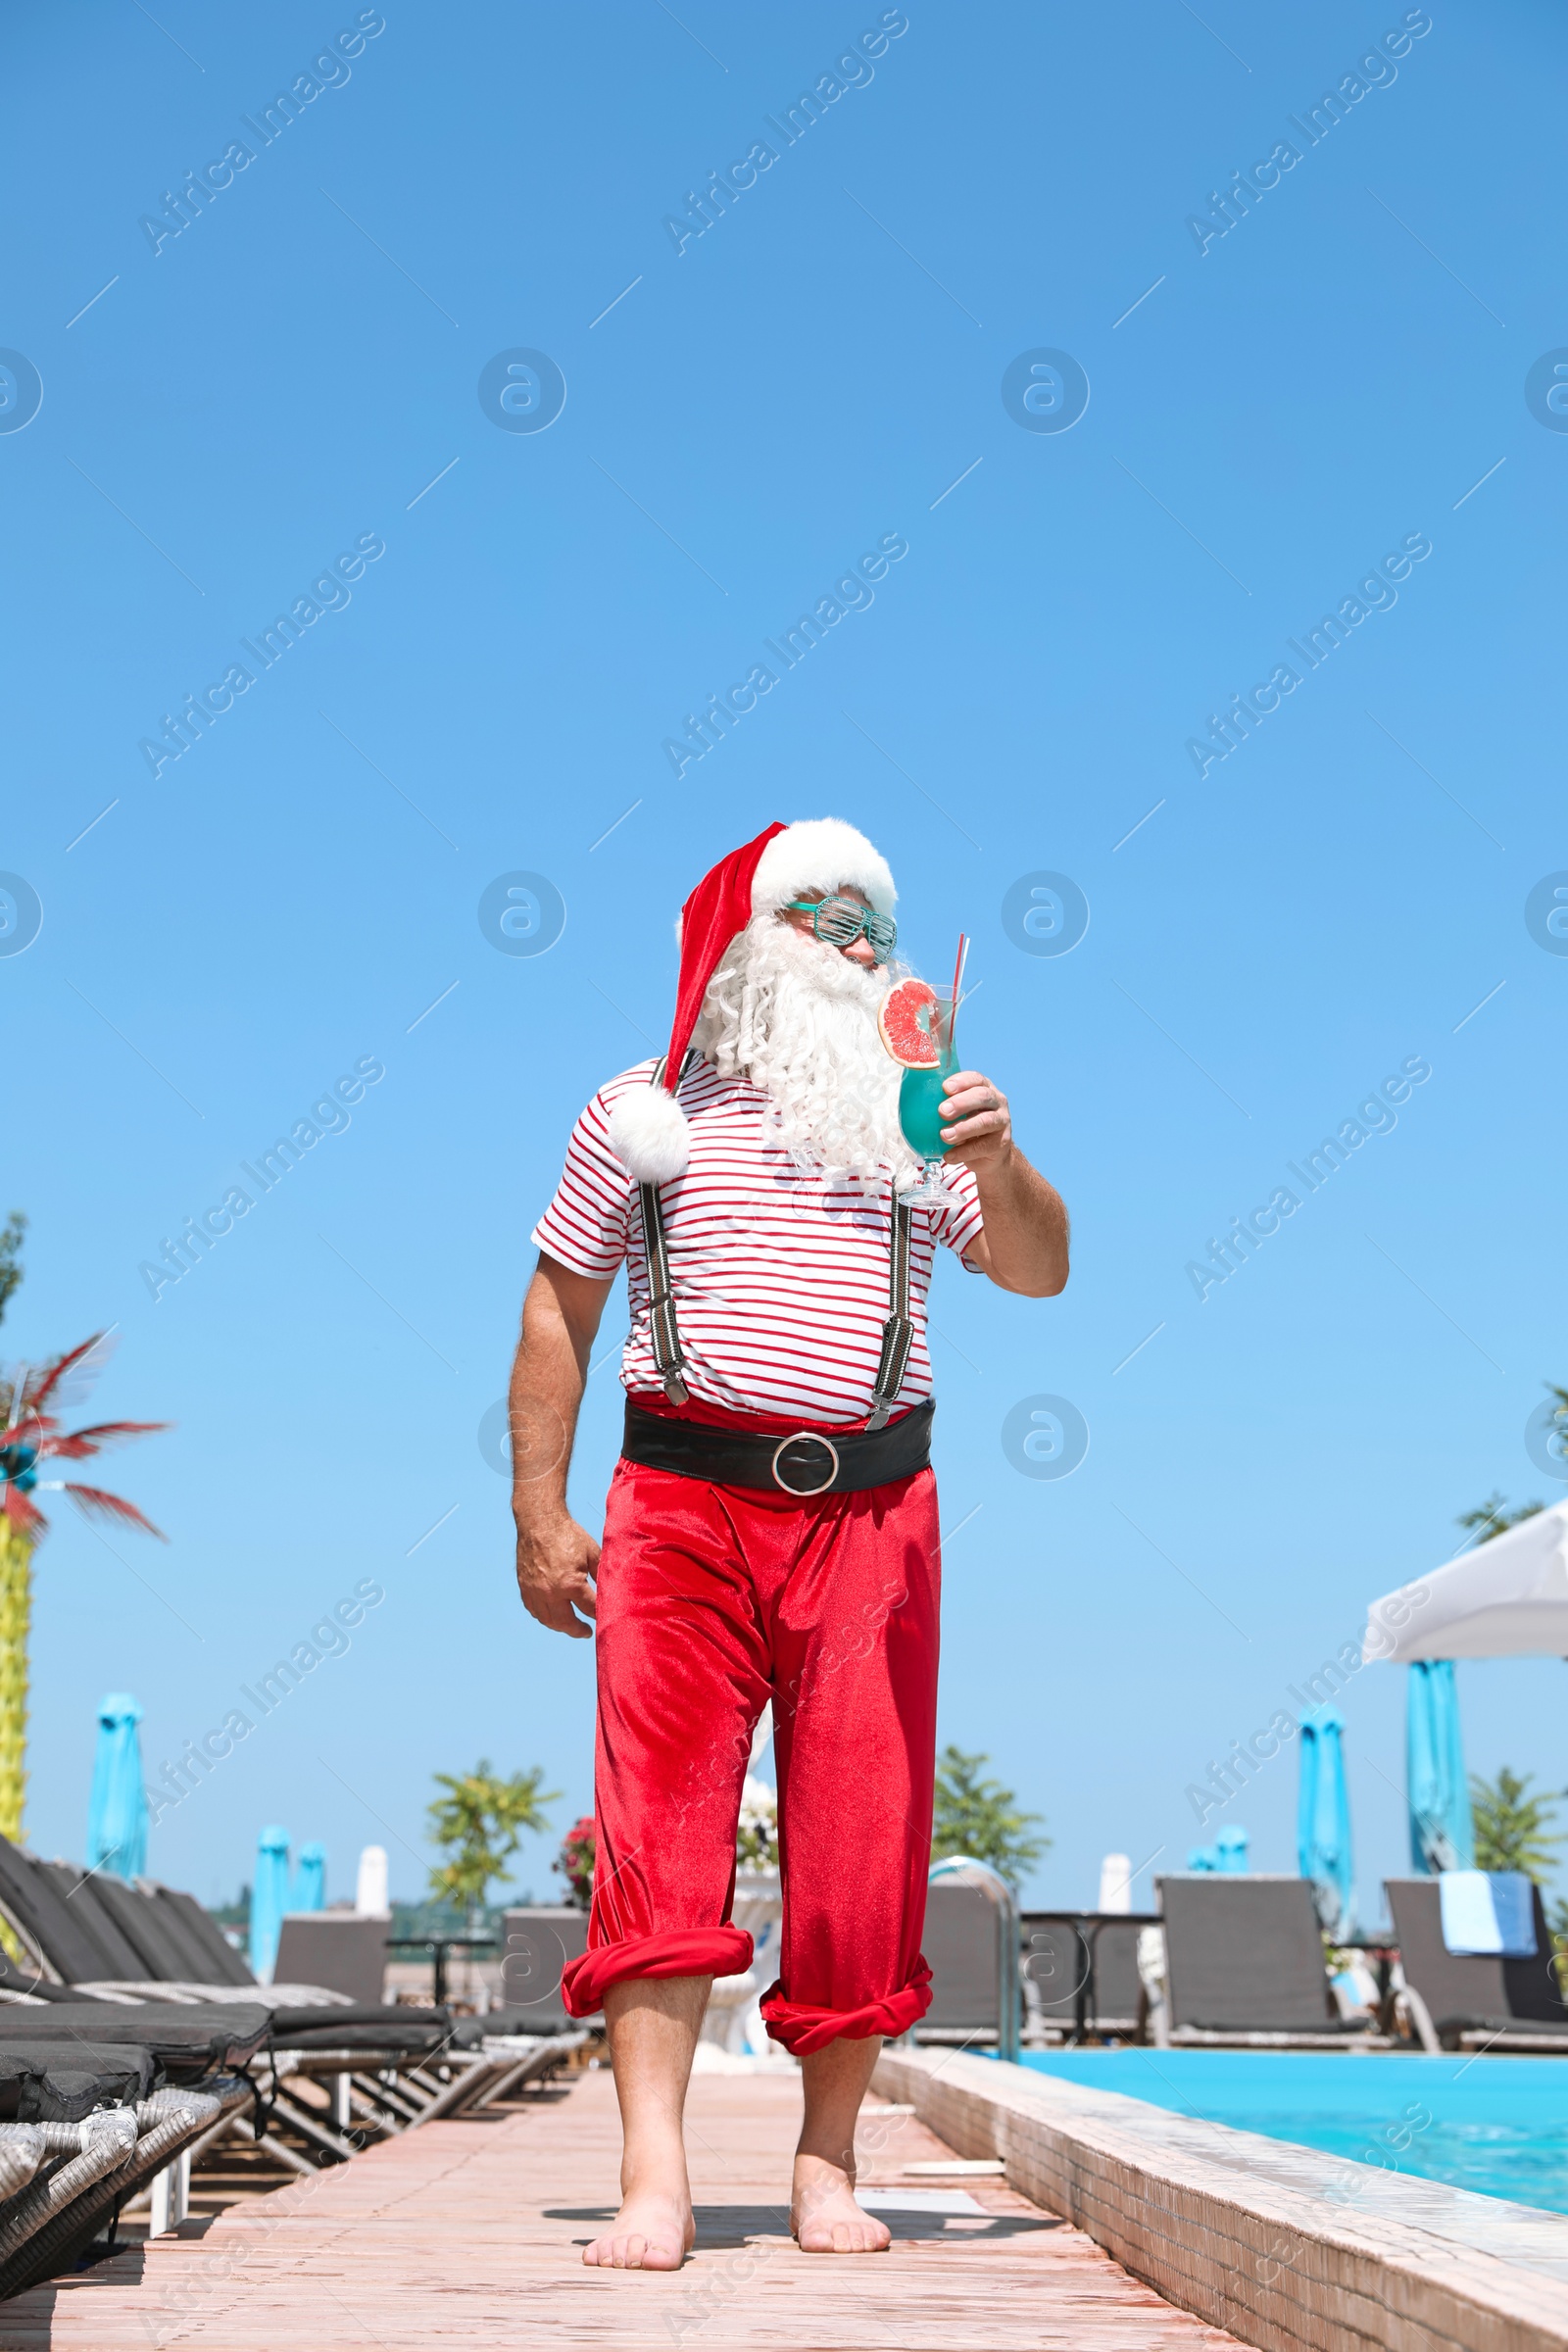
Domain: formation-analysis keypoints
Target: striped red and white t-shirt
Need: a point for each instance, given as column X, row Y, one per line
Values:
column 780, row 1276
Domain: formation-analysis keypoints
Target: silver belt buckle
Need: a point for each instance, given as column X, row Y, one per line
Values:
column 810, row 1437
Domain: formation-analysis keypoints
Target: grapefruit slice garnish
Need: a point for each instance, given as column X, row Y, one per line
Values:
column 908, row 1018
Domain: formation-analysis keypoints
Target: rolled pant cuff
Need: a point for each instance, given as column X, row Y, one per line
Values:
column 688, row 1952
column 802, row 2028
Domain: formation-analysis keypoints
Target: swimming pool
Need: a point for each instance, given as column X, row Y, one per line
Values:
column 1497, row 2125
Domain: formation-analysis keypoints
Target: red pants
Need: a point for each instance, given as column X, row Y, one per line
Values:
column 712, row 1600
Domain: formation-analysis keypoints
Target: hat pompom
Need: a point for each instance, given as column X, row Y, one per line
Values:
column 650, row 1132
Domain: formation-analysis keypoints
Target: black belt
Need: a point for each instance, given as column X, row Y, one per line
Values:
column 804, row 1465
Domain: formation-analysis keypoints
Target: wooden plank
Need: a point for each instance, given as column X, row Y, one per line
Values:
column 469, row 2232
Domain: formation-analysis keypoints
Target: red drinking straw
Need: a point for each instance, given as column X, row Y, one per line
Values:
column 958, row 983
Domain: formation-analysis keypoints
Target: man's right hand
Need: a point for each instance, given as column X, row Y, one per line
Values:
column 556, row 1562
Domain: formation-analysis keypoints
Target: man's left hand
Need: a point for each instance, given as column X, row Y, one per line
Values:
column 977, row 1125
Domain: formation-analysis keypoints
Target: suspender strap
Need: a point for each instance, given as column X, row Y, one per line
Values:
column 897, row 1332
column 668, row 1356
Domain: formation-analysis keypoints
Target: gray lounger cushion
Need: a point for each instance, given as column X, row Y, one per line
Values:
column 413, row 2033
column 47, row 1920
column 53, row 2082
column 79, row 1894
column 186, row 2042
column 211, row 1959
column 1244, row 1955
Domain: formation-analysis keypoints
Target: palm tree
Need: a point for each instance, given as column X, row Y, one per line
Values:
column 479, row 1825
column 1515, row 1831
column 29, row 1434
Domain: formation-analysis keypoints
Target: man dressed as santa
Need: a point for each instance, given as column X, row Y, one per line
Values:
column 770, row 1534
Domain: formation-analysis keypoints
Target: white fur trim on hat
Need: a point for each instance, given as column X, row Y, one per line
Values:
column 822, row 853
column 650, row 1132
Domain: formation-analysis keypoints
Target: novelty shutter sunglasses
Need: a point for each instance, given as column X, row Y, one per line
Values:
column 839, row 922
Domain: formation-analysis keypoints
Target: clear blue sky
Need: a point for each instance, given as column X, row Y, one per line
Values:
column 296, row 373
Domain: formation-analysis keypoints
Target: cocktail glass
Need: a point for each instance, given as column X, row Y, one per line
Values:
column 920, row 1098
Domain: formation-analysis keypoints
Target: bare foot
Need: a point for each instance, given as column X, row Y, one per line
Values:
column 824, row 2215
column 652, row 2231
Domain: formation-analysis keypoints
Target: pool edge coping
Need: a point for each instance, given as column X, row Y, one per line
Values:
column 1290, row 2249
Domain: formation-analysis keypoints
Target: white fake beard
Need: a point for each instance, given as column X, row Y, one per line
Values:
column 799, row 1021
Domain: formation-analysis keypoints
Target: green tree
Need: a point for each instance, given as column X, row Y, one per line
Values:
column 478, row 1825
column 16, row 1225
column 1494, row 1518
column 981, row 1818
column 1514, row 1829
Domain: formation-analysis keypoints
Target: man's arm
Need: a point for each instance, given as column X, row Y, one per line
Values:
column 1024, row 1244
column 556, row 1557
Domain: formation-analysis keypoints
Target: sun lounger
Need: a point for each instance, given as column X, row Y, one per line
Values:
column 382, row 2067
column 82, row 1897
column 92, row 2166
column 211, row 1957
column 185, row 2043
column 60, row 2082
column 959, row 1944
column 441, row 2070
column 971, row 1943
column 23, row 2152
column 21, row 1981
column 1477, row 2000
column 94, row 2120
column 103, row 1938
column 336, row 1948
column 484, row 2067
column 538, row 1940
column 96, row 1936
column 419, row 2033
column 145, row 1926
column 468, row 2031
column 59, row 1935
column 1245, row 1967
column 116, row 2095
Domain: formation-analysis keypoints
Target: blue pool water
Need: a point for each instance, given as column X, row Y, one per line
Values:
column 1497, row 2125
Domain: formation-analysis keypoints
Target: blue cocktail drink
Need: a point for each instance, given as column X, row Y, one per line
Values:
column 919, row 1107
column 920, row 1098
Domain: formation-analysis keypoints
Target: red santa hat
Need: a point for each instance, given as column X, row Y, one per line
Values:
column 648, row 1127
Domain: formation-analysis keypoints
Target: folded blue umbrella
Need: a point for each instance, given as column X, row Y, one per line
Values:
column 1230, row 1848
column 309, row 1890
column 1441, row 1833
column 116, row 1810
column 1228, row 1853
column 268, row 1901
column 1323, row 1819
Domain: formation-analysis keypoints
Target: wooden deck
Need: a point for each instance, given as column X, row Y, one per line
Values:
column 469, row 2234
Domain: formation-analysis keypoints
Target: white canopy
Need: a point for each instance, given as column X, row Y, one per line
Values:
column 1505, row 1600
